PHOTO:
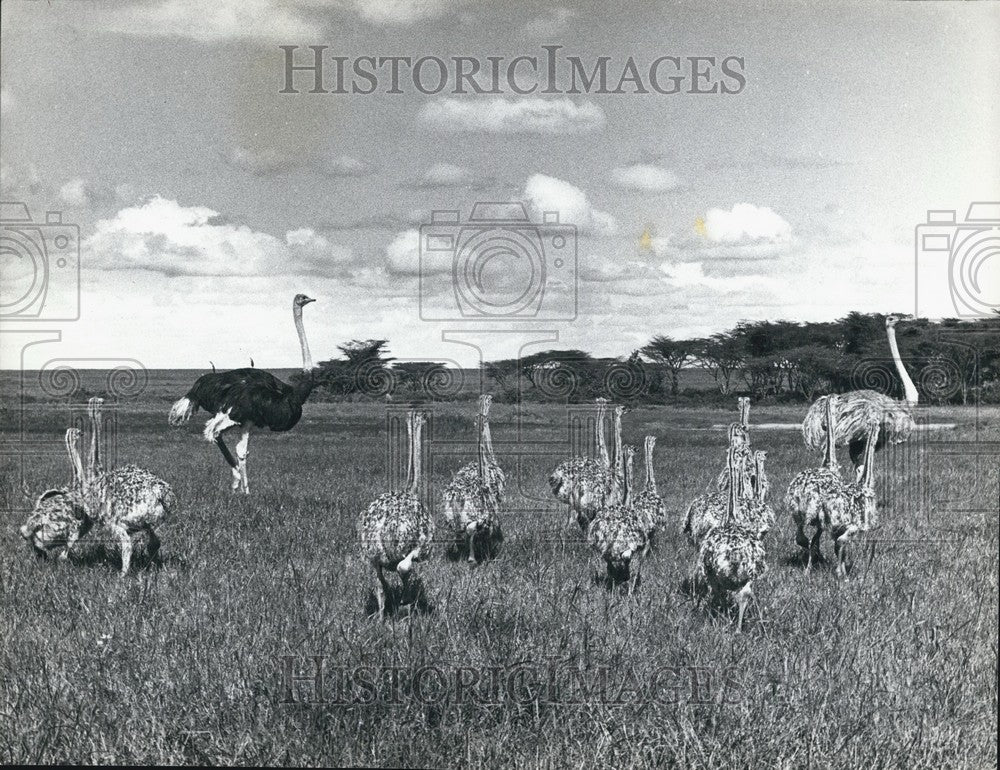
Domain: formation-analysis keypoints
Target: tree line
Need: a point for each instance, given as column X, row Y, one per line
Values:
column 949, row 361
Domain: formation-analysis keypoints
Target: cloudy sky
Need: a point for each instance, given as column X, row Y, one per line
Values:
column 206, row 199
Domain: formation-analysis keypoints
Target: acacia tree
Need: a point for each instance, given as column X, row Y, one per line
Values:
column 363, row 368
column 671, row 354
column 722, row 356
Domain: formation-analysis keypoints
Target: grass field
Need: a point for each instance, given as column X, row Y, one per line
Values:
column 527, row 660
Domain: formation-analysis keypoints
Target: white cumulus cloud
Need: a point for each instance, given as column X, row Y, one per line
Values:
column 745, row 232
column 513, row 116
column 646, row 178
column 163, row 236
column 745, row 222
column 546, row 193
column 403, row 12
column 265, row 21
column 75, row 193
column 403, row 253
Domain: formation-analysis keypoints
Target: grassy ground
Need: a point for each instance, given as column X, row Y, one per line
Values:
column 526, row 660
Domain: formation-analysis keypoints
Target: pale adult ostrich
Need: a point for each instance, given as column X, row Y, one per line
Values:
column 59, row 517
column 732, row 554
column 857, row 410
column 473, row 498
column 127, row 500
column 396, row 528
column 247, row 399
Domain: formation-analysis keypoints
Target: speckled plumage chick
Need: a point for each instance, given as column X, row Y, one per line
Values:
column 581, row 482
column 708, row 510
column 756, row 512
column 618, row 532
column 820, row 498
column 493, row 473
column 604, row 487
column 59, row 517
column 739, row 437
column 647, row 502
column 474, row 497
column 732, row 555
column 396, row 528
column 128, row 500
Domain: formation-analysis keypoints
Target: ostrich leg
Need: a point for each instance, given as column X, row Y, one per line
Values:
column 382, row 591
column 125, row 540
column 742, row 599
column 231, row 460
column 214, row 429
column 470, row 532
column 242, row 450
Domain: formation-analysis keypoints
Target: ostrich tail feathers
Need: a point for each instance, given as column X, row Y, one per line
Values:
column 181, row 411
column 814, row 424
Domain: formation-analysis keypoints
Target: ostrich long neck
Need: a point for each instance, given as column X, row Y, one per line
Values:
column 734, row 484
column 650, row 478
column 488, row 442
column 627, row 478
column 487, row 436
column 910, row 394
column 481, row 448
column 418, row 423
column 307, row 362
column 619, row 450
column 75, row 463
column 94, row 457
column 830, row 454
column 867, row 479
column 94, row 461
column 602, row 444
column 409, row 452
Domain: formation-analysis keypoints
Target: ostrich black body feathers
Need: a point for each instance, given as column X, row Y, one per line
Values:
column 252, row 397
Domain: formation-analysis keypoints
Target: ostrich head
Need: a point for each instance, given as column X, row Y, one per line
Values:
column 894, row 318
column 301, row 300
column 759, row 481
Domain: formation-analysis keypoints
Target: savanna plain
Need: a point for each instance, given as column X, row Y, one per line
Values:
column 210, row 655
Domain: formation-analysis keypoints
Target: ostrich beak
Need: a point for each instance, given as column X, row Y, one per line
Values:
column 307, row 300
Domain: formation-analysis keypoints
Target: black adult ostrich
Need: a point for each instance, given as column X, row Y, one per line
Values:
column 248, row 398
